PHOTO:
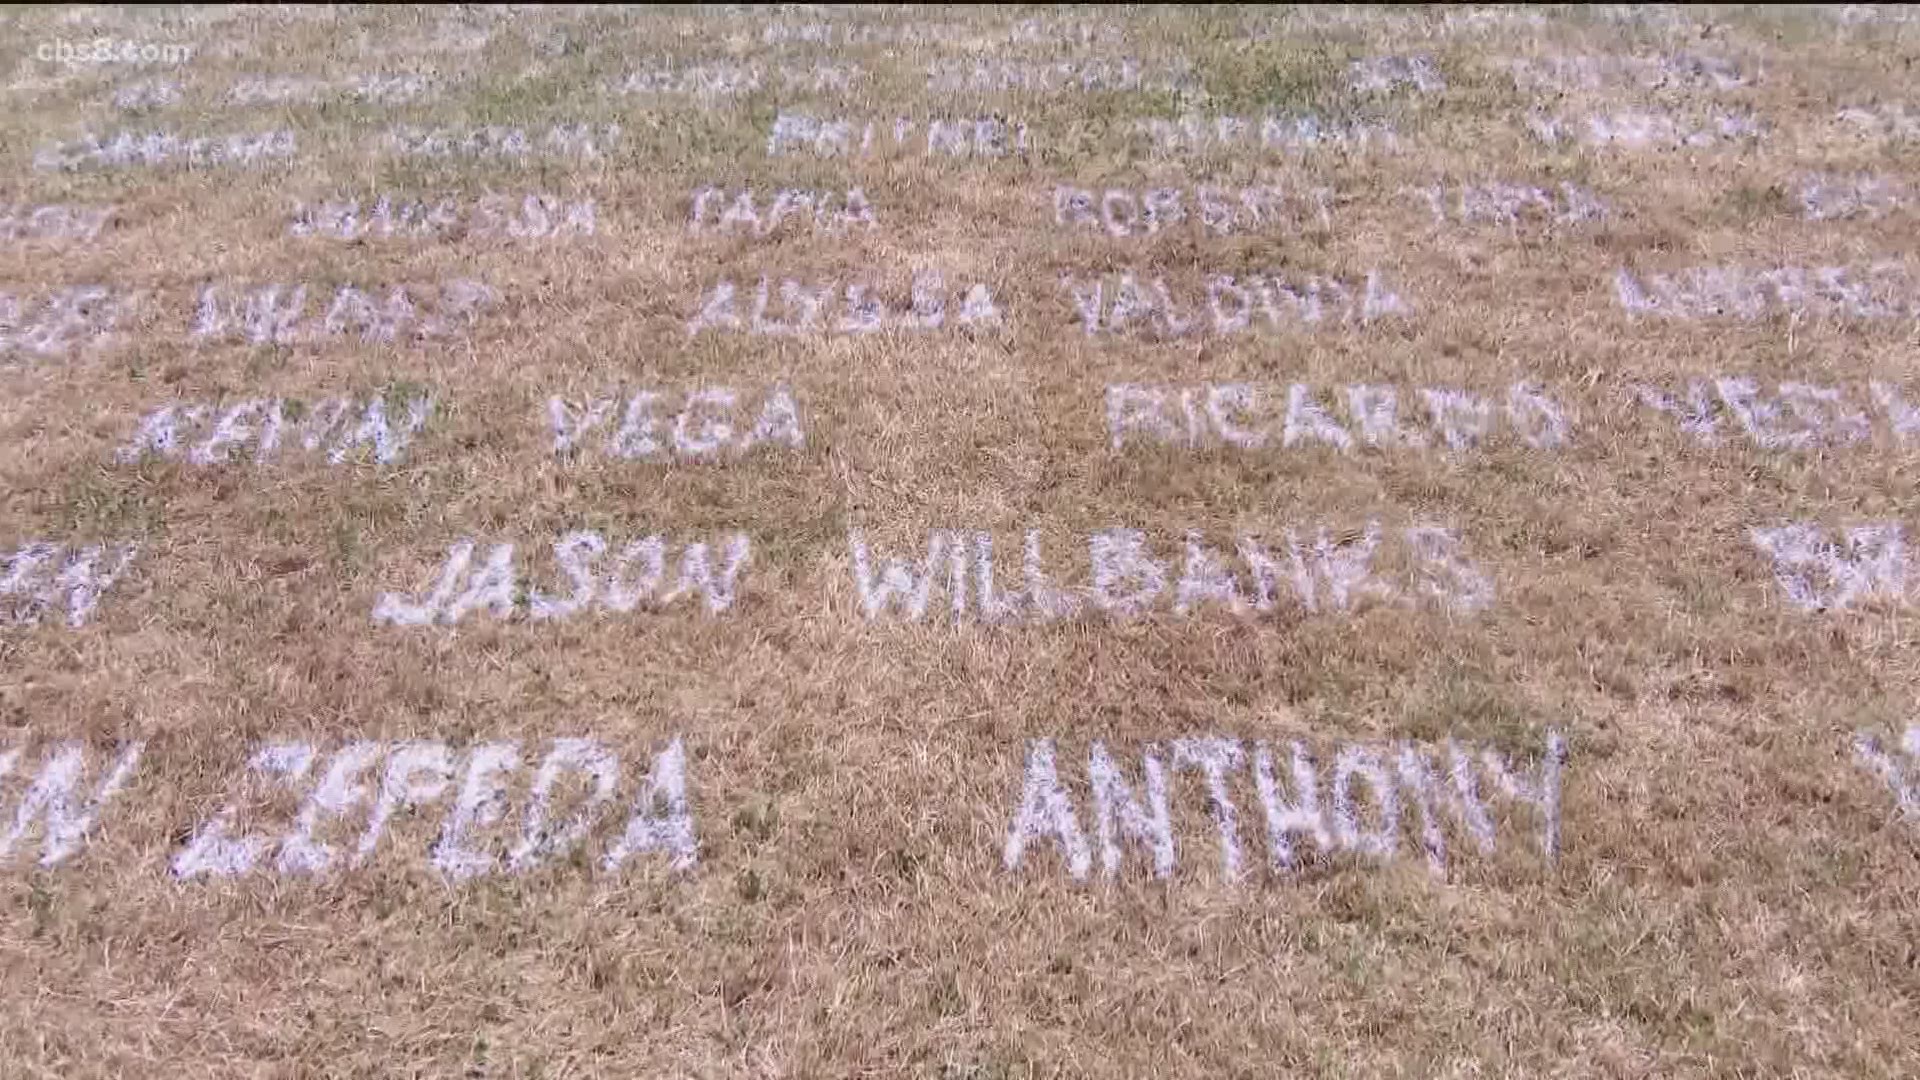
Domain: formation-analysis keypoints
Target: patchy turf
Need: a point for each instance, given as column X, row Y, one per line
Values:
column 1531, row 230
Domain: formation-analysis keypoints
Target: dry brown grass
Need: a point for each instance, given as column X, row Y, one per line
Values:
column 1735, row 896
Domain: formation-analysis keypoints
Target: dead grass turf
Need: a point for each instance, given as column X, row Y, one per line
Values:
column 1735, row 897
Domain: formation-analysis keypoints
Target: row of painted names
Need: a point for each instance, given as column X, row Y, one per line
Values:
column 1119, row 212
column 725, row 78
column 92, row 318
column 716, row 423
column 505, row 809
column 967, row 576
column 978, row 138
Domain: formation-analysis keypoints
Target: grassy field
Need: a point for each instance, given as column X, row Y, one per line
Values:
column 1734, row 894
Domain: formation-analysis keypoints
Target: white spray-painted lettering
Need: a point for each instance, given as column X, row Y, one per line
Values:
column 727, row 213
column 1231, row 304
column 40, row 576
column 23, row 224
column 833, row 307
column 1501, row 203
column 279, row 313
column 1689, row 71
column 1360, row 810
column 1836, row 197
column 156, row 149
column 958, row 137
column 1881, row 290
column 1645, row 129
column 1268, row 134
column 699, row 425
column 147, row 96
column 334, row 429
column 1385, row 74
column 564, row 142
column 664, row 78
column 1254, row 418
column 370, row 88
column 1790, row 416
column 530, row 216
column 1126, row 212
column 357, row 791
column 1881, row 123
column 1899, row 768
column 1089, row 75
column 598, row 580
column 1818, row 573
column 55, row 799
column 81, row 316
column 1319, row 569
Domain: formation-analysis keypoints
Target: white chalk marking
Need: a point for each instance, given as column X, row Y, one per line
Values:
column 985, row 137
column 278, row 314
column 1396, row 777
column 1901, row 770
column 809, row 308
column 1818, row 574
column 1267, row 134
column 23, row 223
column 459, row 589
column 528, row 216
column 49, row 799
column 213, row 850
column 157, row 149
column 1046, row 811
column 1876, row 291
column 30, row 585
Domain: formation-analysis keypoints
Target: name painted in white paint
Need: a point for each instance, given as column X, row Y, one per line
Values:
column 351, row 796
column 279, row 314
column 1900, row 770
column 598, row 581
column 1321, row 570
column 1057, row 32
column 962, row 137
column 1086, row 75
column 1308, row 814
column 20, row 223
column 41, row 578
column 729, row 213
column 156, row 149
column 571, row 142
column 81, row 316
column 1690, row 71
column 334, row 429
column 530, row 216
column 1643, row 129
column 831, row 307
column 57, row 800
column 1877, row 291
column 369, row 88
column 1124, row 212
column 1882, row 123
column 1818, row 572
column 709, row 424
column 1268, row 134
column 1500, row 203
column 1792, row 416
column 1833, row 197
column 723, row 80
column 1300, row 417
column 1385, row 74
column 1232, row 305
column 146, row 96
